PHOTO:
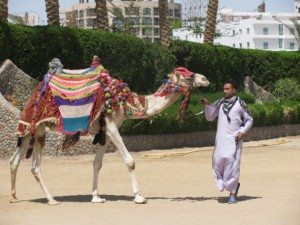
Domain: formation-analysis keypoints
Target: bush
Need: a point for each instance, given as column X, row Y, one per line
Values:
column 139, row 64
column 220, row 63
column 287, row 89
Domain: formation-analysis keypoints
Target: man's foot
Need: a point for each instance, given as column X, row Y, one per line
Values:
column 232, row 199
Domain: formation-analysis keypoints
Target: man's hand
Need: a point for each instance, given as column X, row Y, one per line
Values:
column 204, row 101
column 240, row 136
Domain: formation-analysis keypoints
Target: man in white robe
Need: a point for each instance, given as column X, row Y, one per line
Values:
column 234, row 121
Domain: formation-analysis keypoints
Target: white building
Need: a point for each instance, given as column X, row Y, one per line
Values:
column 253, row 30
column 29, row 18
column 297, row 6
column 144, row 15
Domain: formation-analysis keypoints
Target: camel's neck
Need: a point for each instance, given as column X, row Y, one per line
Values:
column 156, row 104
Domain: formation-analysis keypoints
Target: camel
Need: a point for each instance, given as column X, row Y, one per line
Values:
column 110, row 108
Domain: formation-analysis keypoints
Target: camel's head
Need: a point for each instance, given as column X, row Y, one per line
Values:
column 184, row 77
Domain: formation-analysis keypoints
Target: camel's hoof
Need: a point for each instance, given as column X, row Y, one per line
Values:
column 139, row 199
column 97, row 199
column 53, row 202
column 13, row 199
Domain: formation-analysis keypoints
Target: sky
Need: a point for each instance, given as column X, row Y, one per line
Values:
column 38, row 6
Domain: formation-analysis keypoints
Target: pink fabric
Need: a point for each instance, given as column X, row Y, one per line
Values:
column 183, row 71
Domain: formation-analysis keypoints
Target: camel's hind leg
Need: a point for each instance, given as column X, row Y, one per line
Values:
column 14, row 164
column 96, row 167
column 36, row 164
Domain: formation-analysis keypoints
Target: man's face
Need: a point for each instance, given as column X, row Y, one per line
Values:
column 228, row 91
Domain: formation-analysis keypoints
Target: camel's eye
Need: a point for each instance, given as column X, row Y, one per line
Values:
column 204, row 79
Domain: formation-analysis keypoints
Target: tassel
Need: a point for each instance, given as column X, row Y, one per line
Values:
column 102, row 139
column 19, row 142
column 30, row 149
column 101, row 136
column 96, row 139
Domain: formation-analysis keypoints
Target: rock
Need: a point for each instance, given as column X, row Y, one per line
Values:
column 260, row 95
column 15, row 85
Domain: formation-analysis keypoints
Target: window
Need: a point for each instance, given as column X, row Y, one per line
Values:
column 81, row 14
column 146, row 11
column 90, row 22
column 170, row 12
column 90, row 12
column 240, row 31
column 241, row 45
column 248, row 44
column 233, row 45
column 248, row 30
column 156, row 31
column 265, row 30
column 147, row 21
column 155, row 21
column 233, row 32
column 177, row 13
column 280, row 29
column 280, row 43
column 292, row 30
column 292, row 45
column 155, row 11
column 265, row 45
column 147, row 31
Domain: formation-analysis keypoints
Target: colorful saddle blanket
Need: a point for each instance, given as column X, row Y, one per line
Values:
column 75, row 95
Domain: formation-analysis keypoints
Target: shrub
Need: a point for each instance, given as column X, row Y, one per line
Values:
column 139, row 64
column 287, row 89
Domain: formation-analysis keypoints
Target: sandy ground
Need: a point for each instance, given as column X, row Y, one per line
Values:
column 180, row 190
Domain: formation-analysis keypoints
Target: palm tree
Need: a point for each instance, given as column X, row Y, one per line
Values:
column 3, row 10
column 163, row 23
column 102, row 15
column 52, row 9
column 210, row 24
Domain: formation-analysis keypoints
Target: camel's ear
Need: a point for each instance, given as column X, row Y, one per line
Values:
column 175, row 77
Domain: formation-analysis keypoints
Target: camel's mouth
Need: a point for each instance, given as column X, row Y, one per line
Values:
column 200, row 81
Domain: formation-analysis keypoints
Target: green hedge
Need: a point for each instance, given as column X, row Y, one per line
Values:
column 141, row 65
column 220, row 63
column 166, row 123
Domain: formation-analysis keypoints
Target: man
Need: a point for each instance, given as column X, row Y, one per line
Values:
column 234, row 121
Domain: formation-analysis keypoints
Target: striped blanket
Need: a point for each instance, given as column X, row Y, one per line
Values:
column 75, row 95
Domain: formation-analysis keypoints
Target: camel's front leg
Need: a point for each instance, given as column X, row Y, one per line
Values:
column 113, row 133
column 96, row 167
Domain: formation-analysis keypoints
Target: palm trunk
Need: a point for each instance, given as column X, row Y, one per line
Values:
column 102, row 15
column 164, row 26
column 3, row 10
column 52, row 9
column 210, row 24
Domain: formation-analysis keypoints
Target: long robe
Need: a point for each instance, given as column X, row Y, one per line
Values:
column 227, row 152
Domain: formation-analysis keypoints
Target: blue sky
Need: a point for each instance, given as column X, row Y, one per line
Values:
column 273, row 6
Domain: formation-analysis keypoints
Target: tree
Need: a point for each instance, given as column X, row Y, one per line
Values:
column 163, row 23
column 210, row 24
column 102, row 15
column 123, row 24
column 52, row 9
column 3, row 10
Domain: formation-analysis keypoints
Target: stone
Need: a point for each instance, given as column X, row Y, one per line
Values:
column 15, row 85
column 260, row 95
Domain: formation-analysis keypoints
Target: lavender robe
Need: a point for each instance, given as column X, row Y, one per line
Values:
column 227, row 152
